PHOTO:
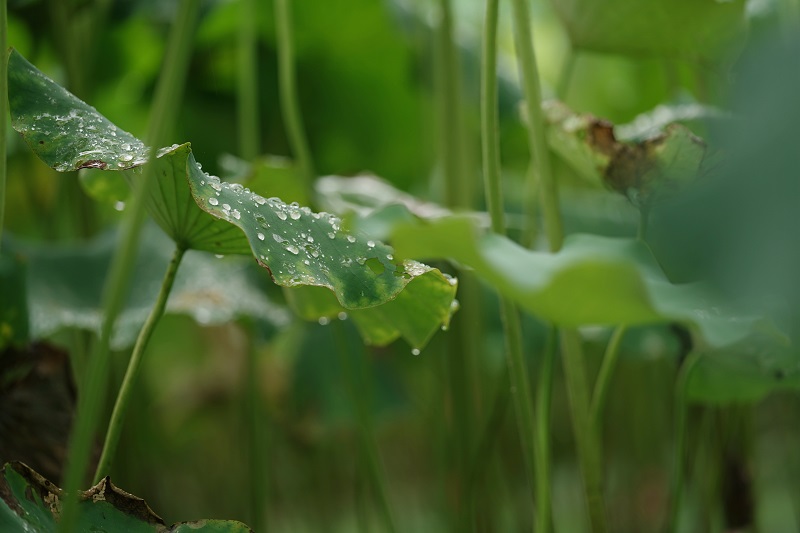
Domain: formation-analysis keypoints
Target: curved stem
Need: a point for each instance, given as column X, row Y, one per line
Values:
column 94, row 384
column 610, row 358
column 247, row 83
column 290, row 108
column 134, row 365
column 676, row 485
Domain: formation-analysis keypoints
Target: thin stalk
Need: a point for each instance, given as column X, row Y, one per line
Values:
column 247, row 84
column 526, row 60
column 544, row 397
column 517, row 368
column 565, row 77
column 94, row 384
column 134, row 366
column 603, row 381
column 586, row 441
column 3, row 108
column 290, row 108
column 572, row 351
column 360, row 397
column 678, row 465
column 464, row 334
column 256, row 443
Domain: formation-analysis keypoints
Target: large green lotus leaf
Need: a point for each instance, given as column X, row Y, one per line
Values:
column 592, row 280
column 746, row 371
column 63, row 288
column 298, row 247
column 674, row 28
column 30, row 503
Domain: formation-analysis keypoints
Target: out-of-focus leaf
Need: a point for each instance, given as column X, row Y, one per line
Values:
column 31, row 503
column 13, row 304
column 64, row 289
column 103, row 188
column 684, row 28
column 592, row 280
column 652, row 123
column 297, row 246
column 745, row 372
column 639, row 169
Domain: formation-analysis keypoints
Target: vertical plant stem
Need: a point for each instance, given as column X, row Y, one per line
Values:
column 464, row 336
column 3, row 108
column 678, row 466
column 247, row 83
column 94, row 384
column 586, row 441
column 603, row 381
column 517, row 367
column 287, row 79
column 572, row 351
column 134, row 366
column 256, row 442
column 355, row 370
column 544, row 396
column 526, row 59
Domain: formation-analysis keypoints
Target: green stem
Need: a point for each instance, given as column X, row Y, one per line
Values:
column 3, row 108
column 526, row 59
column 247, row 86
column 355, row 369
column 565, row 77
column 290, row 108
column 517, row 368
column 678, row 466
column 586, row 441
column 94, row 384
column 134, row 366
column 610, row 358
column 257, row 451
column 544, row 397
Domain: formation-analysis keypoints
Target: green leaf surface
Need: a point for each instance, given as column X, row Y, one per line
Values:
column 683, row 28
column 745, row 372
column 592, row 280
column 64, row 292
column 198, row 211
column 30, row 503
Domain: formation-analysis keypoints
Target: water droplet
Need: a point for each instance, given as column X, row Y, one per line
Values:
column 331, row 235
column 324, row 321
column 415, row 351
column 278, row 238
column 342, row 316
column 226, row 207
column 213, row 201
column 260, row 200
column 295, row 215
column 260, row 236
column 126, row 157
column 236, row 214
column 292, row 248
column 351, row 238
column 119, row 206
column 371, row 244
column 389, row 257
column 281, row 215
column 219, row 256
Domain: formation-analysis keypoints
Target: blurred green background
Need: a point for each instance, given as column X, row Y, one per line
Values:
column 367, row 82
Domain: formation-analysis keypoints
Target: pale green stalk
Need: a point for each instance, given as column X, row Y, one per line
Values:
column 290, row 108
column 572, row 351
column 134, row 366
column 247, row 83
column 517, row 368
column 679, row 447
column 94, row 384
column 603, row 381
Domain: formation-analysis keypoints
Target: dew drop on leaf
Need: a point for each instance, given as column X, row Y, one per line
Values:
column 260, row 236
column 213, row 201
